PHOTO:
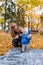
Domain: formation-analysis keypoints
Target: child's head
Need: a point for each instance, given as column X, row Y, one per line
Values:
column 25, row 30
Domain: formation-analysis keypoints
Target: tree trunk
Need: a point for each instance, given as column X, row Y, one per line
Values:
column 41, row 28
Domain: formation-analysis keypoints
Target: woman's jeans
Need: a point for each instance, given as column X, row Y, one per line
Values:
column 16, row 42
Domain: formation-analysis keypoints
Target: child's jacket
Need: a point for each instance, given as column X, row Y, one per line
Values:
column 25, row 38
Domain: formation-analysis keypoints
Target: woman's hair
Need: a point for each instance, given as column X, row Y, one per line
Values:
column 12, row 25
column 15, row 31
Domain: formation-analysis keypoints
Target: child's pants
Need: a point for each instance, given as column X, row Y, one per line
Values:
column 24, row 47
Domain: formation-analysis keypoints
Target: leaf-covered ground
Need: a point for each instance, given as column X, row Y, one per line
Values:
column 5, row 42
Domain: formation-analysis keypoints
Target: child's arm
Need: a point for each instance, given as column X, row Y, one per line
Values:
column 29, row 37
column 29, row 34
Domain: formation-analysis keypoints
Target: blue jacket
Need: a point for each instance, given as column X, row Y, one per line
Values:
column 25, row 39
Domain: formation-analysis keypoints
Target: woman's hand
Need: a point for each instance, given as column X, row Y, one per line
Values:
column 20, row 35
column 17, row 36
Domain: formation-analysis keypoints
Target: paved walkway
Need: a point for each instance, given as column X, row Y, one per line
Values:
column 15, row 57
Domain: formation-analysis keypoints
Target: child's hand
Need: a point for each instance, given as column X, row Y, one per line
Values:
column 29, row 36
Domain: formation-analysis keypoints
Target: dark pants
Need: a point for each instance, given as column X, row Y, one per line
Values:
column 16, row 42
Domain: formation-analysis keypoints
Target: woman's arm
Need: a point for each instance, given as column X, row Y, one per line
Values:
column 21, row 29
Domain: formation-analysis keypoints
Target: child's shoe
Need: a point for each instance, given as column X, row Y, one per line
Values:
column 22, row 51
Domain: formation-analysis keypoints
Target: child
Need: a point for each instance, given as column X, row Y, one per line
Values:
column 26, row 37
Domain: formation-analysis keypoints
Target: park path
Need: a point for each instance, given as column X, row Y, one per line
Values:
column 15, row 57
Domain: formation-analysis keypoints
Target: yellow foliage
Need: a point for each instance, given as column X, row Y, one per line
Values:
column 1, row 19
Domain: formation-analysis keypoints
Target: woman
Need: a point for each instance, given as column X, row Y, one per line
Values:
column 16, row 34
